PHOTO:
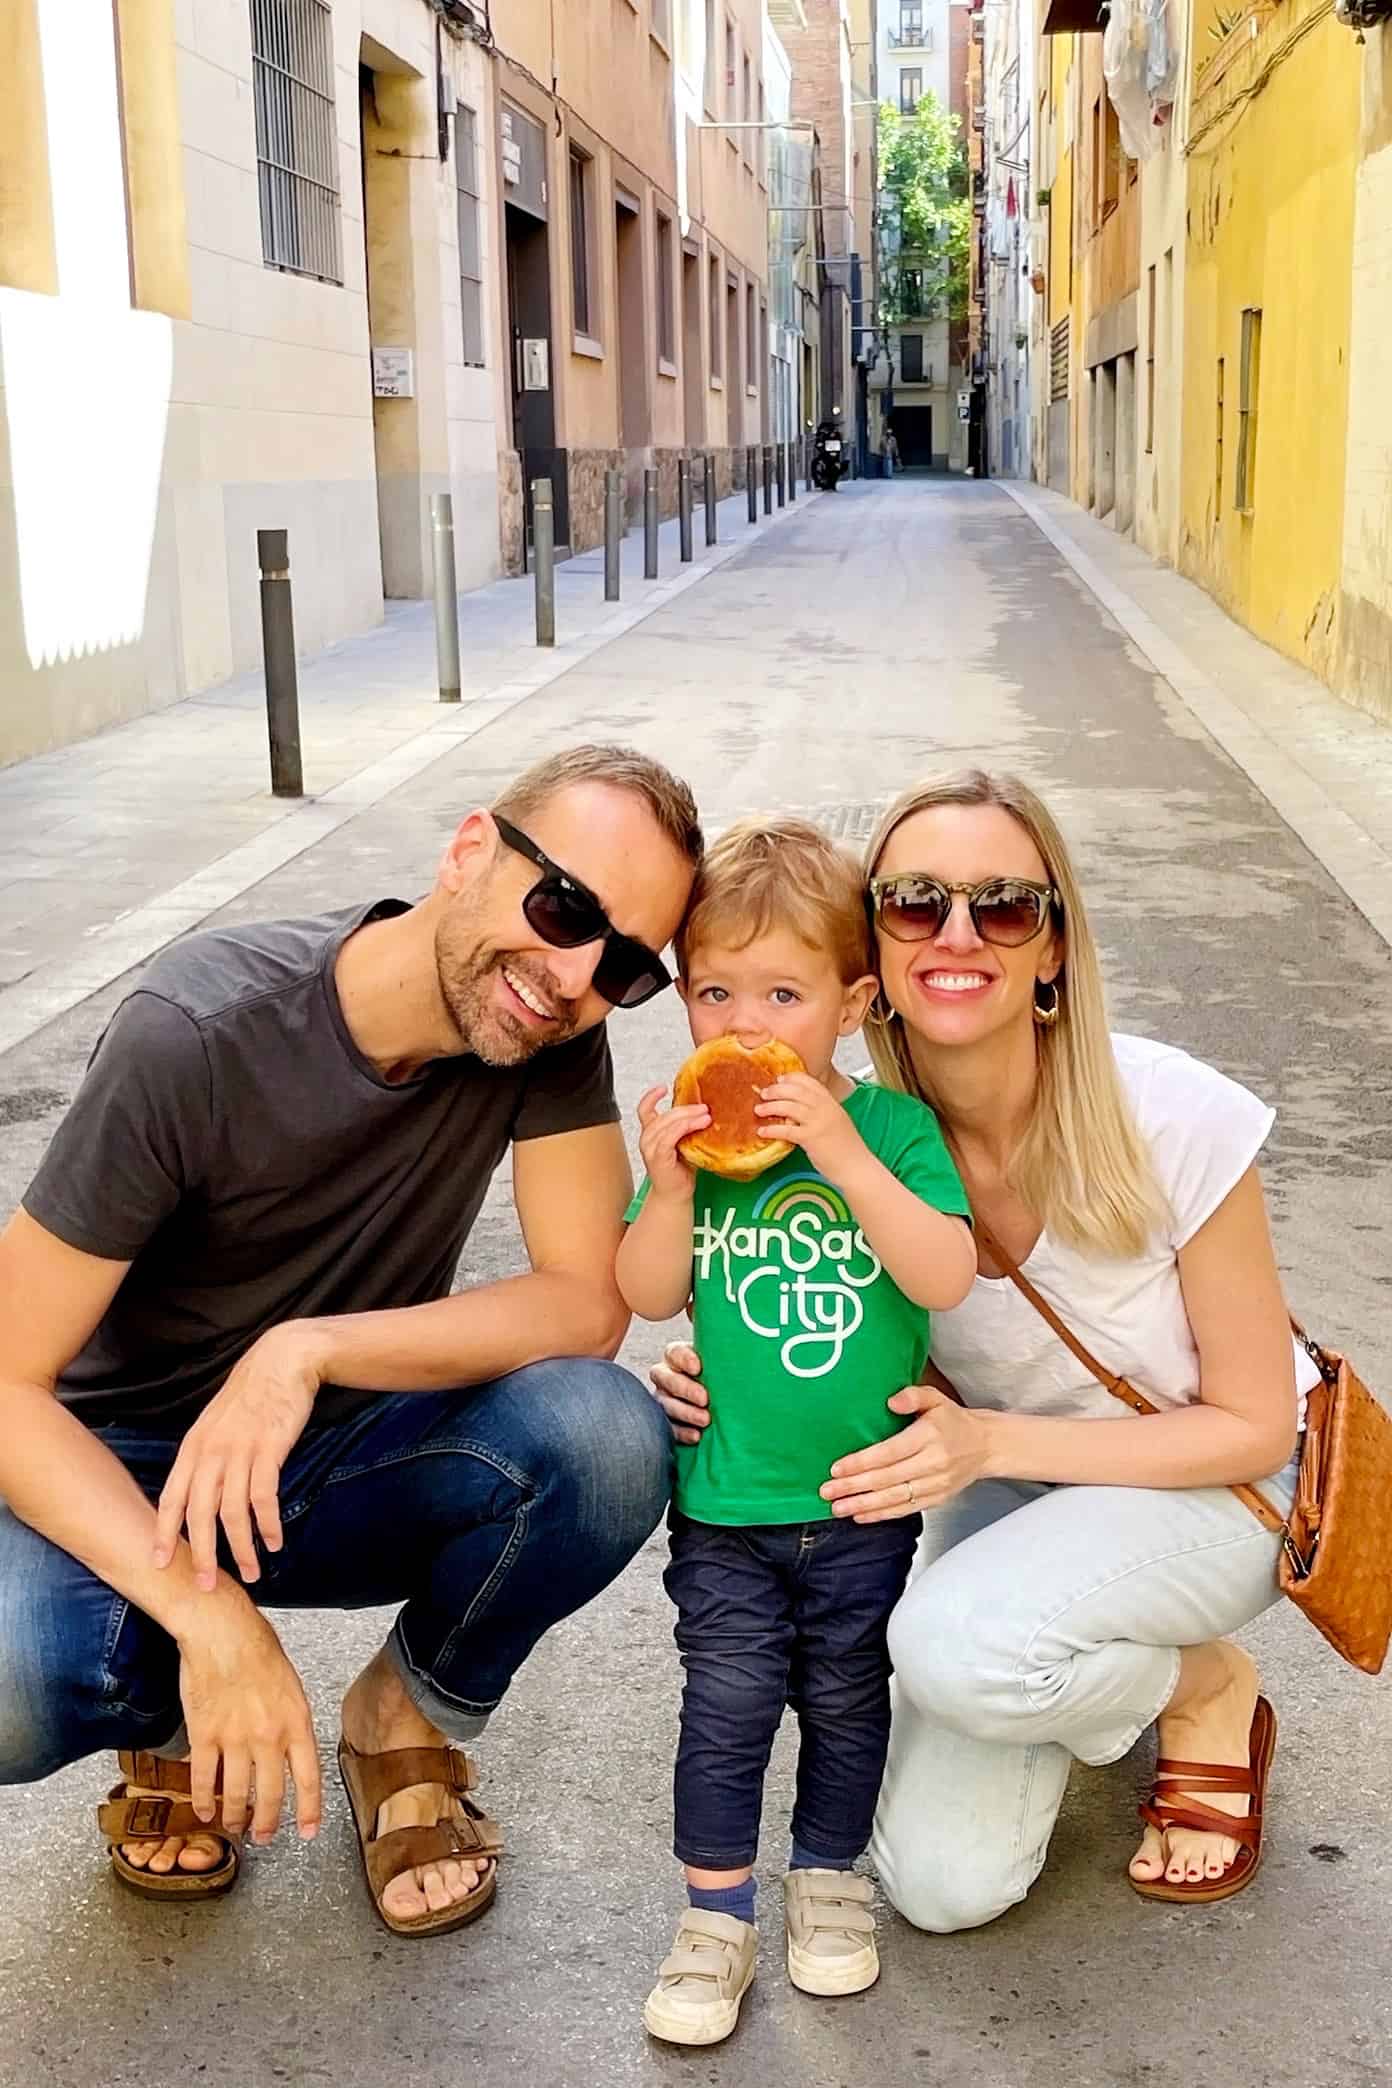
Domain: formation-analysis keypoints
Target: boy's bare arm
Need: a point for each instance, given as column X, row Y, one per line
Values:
column 929, row 1254
column 654, row 1263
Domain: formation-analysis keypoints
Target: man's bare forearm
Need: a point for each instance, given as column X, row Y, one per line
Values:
column 62, row 1481
column 469, row 1338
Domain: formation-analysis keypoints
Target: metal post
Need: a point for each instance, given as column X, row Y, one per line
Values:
column 793, row 447
column 780, row 473
column 278, row 651
column 684, row 506
column 446, row 596
column 650, row 525
column 751, row 482
column 710, row 498
column 613, row 532
column 768, row 480
column 544, row 560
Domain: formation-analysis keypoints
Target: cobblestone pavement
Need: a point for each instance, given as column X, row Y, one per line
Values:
column 865, row 639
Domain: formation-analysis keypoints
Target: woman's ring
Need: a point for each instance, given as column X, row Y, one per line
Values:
column 908, row 1490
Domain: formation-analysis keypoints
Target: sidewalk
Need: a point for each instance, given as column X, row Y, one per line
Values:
column 1326, row 767
column 113, row 846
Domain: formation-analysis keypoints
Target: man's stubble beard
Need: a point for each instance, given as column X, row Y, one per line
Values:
column 466, row 977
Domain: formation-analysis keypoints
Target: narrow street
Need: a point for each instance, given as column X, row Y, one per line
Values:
column 872, row 637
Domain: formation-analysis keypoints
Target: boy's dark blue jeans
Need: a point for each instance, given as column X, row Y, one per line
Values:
column 783, row 1614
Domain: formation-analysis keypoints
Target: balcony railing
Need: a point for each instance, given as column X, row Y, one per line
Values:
column 908, row 38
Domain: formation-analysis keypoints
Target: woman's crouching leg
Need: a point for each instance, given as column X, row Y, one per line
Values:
column 963, row 1825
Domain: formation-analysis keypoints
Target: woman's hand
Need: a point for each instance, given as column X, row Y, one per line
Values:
column 799, row 1110
column 678, row 1390
column 927, row 1463
column 661, row 1132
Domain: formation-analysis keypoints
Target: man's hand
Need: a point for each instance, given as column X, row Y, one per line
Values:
column 662, row 1131
column 228, row 1467
column 246, row 1713
column 800, row 1110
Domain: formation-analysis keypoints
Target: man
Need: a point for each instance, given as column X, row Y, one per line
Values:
column 233, row 1270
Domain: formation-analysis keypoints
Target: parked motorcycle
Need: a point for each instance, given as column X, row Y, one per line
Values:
column 829, row 465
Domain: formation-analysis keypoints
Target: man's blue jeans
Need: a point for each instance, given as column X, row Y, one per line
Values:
column 490, row 1513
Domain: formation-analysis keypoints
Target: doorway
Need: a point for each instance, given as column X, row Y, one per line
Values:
column 913, row 431
column 635, row 397
column 528, row 268
column 693, row 365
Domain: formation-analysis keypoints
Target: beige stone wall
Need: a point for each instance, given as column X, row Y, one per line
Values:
column 270, row 418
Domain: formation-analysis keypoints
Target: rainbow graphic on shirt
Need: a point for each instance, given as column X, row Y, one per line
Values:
column 794, row 1268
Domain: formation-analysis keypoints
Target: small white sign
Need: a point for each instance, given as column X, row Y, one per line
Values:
column 393, row 373
column 964, row 403
column 512, row 161
column 536, row 365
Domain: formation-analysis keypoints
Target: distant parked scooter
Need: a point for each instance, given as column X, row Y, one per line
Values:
column 829, row 453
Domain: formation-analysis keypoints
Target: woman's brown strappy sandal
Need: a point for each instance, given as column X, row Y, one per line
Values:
column 1174, row 1803
column 129, row 1816
column 370, row 1780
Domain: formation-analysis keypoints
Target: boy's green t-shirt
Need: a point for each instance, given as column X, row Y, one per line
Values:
column 801, row 1334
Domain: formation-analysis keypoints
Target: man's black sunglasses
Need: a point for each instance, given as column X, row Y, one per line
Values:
column 567, row 914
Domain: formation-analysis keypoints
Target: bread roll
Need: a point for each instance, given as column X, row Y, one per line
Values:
column 727, row 1078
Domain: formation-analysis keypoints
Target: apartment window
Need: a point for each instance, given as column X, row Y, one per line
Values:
column 913, row 293
column 712, row 98
column 1150, row 366
column 467, row 219
column 747, row 112
column 731, row 79
column 292, row 82
column 751, row 339
column 1218, row 445
column 666, row 305
column 717, row 356
column 911, row 358
column 1249, row 379
column 1106, row 159
column 910, row 89
column 910, row 23
column 581, row 177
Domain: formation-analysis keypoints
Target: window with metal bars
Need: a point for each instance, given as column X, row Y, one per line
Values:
column 580, row 164
column 467, row 212
column 292, row 79
column 1249, row 379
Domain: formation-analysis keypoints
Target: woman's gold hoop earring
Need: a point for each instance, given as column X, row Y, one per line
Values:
column 1046, row 1012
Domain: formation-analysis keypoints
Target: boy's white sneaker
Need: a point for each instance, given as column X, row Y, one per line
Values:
column 831, row 1931
column 702, row 1980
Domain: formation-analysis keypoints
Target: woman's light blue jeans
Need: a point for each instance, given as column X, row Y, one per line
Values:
column 489, row 1513
column 1043, row 1627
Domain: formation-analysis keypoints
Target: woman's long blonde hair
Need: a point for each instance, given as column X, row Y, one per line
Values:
column 1081, row 1167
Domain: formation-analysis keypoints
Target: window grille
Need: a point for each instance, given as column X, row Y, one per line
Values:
column 666, row 312
column 1058, row 362
column 1249, row 377
column 580, row 238
column 292, row 74
column 470, row 261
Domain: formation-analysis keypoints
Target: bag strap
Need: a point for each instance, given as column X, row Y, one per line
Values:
column 1118, row 1386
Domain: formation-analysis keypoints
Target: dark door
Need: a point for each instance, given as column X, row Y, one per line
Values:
column 913, row 430
column 533, row 378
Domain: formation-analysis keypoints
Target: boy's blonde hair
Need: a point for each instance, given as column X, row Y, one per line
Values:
column 767, row 874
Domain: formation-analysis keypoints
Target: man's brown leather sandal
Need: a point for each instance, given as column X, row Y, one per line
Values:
column 128, row 1817
column 1173, row 1804
column 370, row 1780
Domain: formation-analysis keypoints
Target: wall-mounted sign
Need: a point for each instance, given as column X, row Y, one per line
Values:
column 522, row 160
column 393, row 373
column 536, row 365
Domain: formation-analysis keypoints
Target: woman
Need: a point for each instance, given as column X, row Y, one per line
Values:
column 1081, row 1566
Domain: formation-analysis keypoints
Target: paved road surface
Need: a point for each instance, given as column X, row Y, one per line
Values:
column 886, row 632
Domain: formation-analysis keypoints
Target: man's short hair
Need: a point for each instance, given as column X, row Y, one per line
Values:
column 667, row 798
column 767, row 874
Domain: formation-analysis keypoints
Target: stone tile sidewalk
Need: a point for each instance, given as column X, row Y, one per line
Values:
column 112, row 846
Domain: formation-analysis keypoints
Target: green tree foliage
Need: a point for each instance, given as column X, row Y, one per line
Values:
column 925, row 214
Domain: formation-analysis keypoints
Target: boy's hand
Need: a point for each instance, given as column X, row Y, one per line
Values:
column 800, row 1110
column 662, row 1132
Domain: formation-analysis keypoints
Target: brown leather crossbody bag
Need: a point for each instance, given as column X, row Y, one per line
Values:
column 1336, row 1543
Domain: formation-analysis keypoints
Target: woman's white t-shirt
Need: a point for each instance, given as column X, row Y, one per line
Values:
column 1204, row 1131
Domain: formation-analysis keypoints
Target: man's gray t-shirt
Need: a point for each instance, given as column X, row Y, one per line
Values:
column 232, row 1143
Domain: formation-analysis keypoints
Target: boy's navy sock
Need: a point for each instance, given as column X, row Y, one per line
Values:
column 725, row 1899
column 803, row 1859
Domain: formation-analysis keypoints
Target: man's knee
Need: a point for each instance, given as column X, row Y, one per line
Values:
column 600, row 1446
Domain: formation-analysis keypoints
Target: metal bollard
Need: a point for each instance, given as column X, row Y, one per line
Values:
column 278, row 652
column 751, row 482
column 684, row 506
column 710, row 498
column 544, row 560
column 768, row 480
column 780, row 473
column 613, row 532
column 792, row 471
column 446, row 596
column 650, row 525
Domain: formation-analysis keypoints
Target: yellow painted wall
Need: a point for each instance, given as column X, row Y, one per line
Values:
column 1272, row 171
